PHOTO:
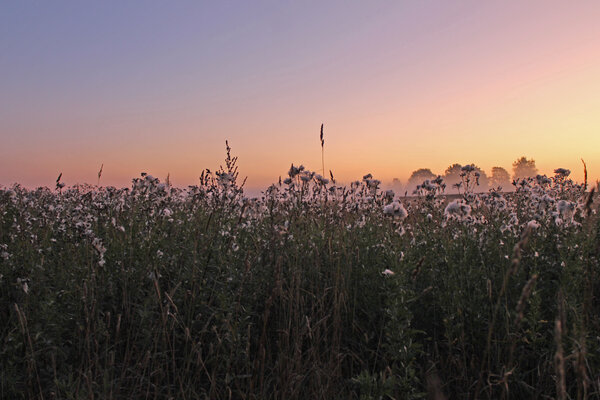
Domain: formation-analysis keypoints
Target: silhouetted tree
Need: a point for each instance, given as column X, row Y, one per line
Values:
column 417, row 177
column 397, row 186
column 500, row 179
column 524, row 168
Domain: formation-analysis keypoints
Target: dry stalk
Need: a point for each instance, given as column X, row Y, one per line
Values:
column 516, row 259
column 434, row 385
column 100, row 174
column 584, row 175
column 25, row 332
column 559, row 358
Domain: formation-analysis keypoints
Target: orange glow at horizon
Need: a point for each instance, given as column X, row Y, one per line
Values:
column 398, row 87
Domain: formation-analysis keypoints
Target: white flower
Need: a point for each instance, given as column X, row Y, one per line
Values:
column 97, row 243
column 457, row 208
column 321, row 180
column 24, row 284
column 565, row 207
column 395, row 209
column 372, row 183
column 533, row 224
column 387, row 272
column 305, row 177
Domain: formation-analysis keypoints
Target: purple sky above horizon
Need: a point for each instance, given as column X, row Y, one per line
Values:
column 159, row 86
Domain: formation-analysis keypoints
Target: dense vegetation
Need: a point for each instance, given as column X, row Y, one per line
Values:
column 312, row 291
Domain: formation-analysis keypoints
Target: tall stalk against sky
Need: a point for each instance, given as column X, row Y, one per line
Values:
column 322, row 151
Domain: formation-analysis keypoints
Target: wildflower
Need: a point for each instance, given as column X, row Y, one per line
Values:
column 562, row 172
column 533, row 224
column 295, row 170
column 321, row 180
column 97, row 243
column 372, row 183
column 468, row 168
column 458, row 209
column 542, row 179
column 388, row 272
column 305, row 177
column 396, row 209
column 24, row 282
column 564, row 206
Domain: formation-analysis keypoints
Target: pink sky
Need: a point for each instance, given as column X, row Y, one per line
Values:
column 159, row 88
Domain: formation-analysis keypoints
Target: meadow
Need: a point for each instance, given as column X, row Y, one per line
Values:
column 313, row 290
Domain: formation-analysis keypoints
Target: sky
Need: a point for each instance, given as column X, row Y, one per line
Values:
column 157, row 87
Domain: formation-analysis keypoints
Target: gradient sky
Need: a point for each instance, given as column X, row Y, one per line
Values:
column 158, row 86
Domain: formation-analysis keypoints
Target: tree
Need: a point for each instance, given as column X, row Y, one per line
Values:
column 397, row 186
column 524, row 168
column 500, row 179
column 417, row 177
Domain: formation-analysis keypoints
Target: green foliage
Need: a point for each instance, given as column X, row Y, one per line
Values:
column 312, row 291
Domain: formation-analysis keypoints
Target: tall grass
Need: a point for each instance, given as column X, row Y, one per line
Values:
column 159, row 292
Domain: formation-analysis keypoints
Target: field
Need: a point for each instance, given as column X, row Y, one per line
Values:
column 313, row 290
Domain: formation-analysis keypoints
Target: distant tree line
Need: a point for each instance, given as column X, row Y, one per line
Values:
column 498, row 179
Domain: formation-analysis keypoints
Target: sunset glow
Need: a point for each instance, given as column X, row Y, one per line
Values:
column 158, row 87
